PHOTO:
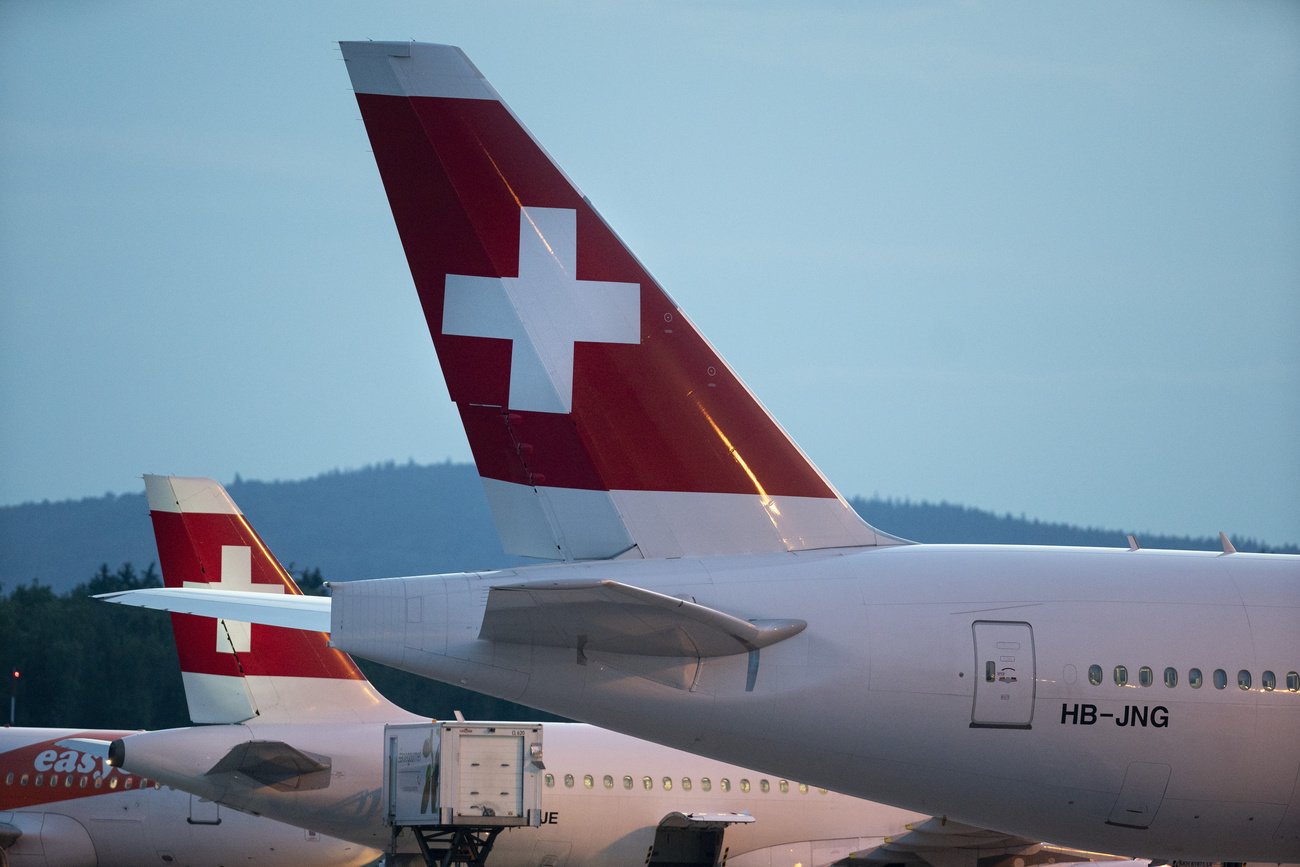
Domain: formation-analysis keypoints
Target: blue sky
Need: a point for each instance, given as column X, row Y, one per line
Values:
column 1038, row 258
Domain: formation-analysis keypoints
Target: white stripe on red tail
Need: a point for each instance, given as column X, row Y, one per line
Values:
column 238, row 671
column 602, row 423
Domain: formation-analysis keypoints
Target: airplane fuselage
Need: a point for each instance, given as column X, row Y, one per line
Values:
column 69, row 809
column 603, row 797
column 954, row 680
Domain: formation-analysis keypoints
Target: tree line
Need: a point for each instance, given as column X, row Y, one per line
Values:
column 84, row 663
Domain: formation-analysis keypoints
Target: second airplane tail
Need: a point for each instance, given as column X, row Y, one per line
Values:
column 602, row 423
column 234, row 671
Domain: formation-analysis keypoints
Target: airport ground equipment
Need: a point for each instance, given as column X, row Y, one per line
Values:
column 456, row 786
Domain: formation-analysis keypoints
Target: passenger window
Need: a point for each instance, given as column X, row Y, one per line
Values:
column 764, row 786
column 803, row 788
column 1146, row 676
column 587, row 781
column 9, row 778
column 1292, row 681
column 1094, row 675
column 67, row 781
column 609, row 781
column 1194, row 678
column 568, row 781
column 744, row 785
column 706, row 784
column 726, row 785
column 550, row 781
column 1220, row 678
column 84, row 780
column 1171, row 677
column 647, row 783
column 1269, row 681
column 23, row 781
column 627, row 782
column 128, row 783
column 112, row 784
column 1121, row 676
column 668, row 784
column 54, row 779
column 1243, row 679
column 99, row 781
column 785, row 787
column 39, row 779
column 821, row 791
column 686, row 784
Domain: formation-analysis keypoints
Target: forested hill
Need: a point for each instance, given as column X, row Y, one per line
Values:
column 410, row 519
column 378, row 522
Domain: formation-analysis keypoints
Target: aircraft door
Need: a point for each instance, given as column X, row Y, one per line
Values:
column 1004, row 675
column 1140, row 796
column 691, row 846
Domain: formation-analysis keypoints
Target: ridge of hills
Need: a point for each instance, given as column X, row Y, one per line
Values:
column 395, row 519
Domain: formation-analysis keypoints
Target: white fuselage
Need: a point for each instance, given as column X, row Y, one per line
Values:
column 886, row 695
column 585, row 819
column 110, row 825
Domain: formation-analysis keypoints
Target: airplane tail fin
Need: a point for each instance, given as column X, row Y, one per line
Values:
column 602, row 423
column 239, row 671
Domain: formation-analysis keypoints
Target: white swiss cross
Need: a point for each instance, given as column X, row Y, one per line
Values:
column 236, row 574
column 544, row 311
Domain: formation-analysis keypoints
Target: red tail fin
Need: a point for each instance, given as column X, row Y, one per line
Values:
column 235, row 671
column 601, row 422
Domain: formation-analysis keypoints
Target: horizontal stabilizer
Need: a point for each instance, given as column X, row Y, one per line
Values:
column 619, row 618
column 292, row 612
column 275, row 764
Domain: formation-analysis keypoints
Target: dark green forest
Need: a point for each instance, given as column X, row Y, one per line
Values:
column 84, row 663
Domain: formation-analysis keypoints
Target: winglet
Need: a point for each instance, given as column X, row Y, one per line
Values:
column 1227, row 545
column 1132, row 543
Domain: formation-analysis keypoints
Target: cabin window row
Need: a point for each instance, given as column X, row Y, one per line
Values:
column 68, row 781
column 706, row 784
column 1195, row 678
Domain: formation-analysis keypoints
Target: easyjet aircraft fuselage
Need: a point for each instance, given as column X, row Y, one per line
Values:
column 62, row 807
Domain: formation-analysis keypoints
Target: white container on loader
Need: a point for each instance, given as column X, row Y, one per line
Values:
column 462, row 773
